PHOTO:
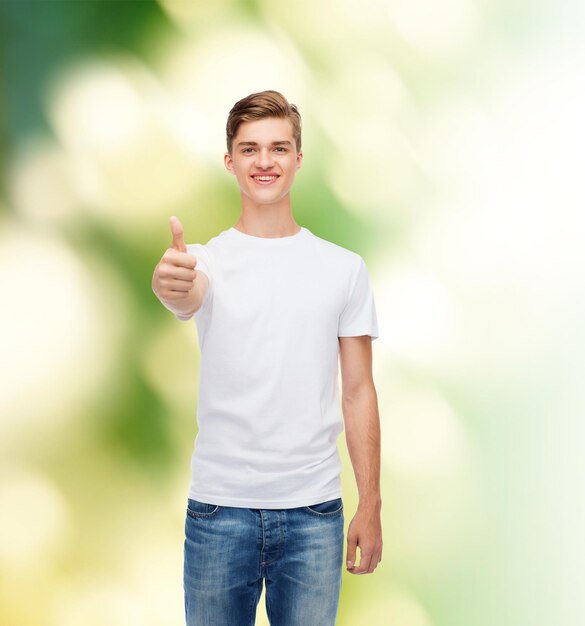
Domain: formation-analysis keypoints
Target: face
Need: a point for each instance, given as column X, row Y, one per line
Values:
column 264, row 159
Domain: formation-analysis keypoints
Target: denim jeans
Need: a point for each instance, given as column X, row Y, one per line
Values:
column 229, row 551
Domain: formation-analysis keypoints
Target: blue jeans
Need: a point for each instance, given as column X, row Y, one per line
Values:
column 229, row 551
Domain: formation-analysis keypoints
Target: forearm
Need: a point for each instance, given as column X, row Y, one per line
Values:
column 362, row 433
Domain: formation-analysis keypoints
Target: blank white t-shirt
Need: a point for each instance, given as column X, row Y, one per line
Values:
column 269, row 410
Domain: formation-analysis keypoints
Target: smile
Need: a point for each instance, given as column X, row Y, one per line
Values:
column 265, row 180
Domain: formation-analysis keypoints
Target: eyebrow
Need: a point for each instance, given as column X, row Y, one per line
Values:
column 274, row 143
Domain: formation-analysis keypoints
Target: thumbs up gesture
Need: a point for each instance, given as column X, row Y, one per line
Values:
column 177, row 231
column 174, row 280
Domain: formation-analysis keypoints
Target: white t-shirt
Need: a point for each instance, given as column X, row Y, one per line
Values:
column 269, row 410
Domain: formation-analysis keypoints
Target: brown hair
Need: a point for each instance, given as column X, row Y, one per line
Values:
column 257, row 106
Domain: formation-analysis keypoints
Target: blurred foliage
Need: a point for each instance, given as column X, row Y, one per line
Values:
column 40, row 35
column 441, row 144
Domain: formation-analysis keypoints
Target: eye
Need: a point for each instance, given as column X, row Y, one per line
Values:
column 280, row 148
column 247, row 150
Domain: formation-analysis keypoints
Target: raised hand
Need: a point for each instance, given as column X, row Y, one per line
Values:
column 174, row 278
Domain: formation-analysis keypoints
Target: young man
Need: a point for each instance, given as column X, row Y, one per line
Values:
column 275, row 307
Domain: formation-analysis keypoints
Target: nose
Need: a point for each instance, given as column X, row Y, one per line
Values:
column 264, row 158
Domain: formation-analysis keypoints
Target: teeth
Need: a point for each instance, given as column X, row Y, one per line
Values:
column 265, row 177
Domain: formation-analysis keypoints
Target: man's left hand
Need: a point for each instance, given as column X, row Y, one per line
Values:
column 365, row 532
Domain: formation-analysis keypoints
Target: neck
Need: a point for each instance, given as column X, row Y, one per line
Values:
column 267, row 221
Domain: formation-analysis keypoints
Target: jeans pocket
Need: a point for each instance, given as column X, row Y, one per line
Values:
column 325, row 509
column 198, row 509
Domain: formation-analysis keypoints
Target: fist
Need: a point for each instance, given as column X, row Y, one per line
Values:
column 174, row 276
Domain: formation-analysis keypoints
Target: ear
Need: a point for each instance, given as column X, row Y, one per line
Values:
column 229, row 163
column 299, row 159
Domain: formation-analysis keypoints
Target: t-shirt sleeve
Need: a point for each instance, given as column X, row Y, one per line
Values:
column 359, row 314
column 203, row 265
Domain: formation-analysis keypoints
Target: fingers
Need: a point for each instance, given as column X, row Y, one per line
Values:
column 365, row 564
column 181, row 269
column 351, row 552
column 177, row 232
column 176, row 284
column 182, row 274
column 179, row 259
column 175, row 278
column 368, row 560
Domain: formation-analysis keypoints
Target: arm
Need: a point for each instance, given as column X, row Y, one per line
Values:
column 362, row 433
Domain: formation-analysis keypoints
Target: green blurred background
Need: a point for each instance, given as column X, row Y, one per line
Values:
column 443, row 142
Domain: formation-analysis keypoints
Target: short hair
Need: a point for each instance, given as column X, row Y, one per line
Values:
column 261, row 105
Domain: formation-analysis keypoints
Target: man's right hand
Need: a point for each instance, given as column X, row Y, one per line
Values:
column 175, row 278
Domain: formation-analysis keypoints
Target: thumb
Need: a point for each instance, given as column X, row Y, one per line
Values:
column 351, row 552
column 177, row 231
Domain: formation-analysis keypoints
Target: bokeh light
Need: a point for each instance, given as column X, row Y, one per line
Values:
column 29, row 541
column 111, row 117
column 442, row 144
column 58, row 338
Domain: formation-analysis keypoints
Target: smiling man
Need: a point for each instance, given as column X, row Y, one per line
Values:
column 278, row 310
